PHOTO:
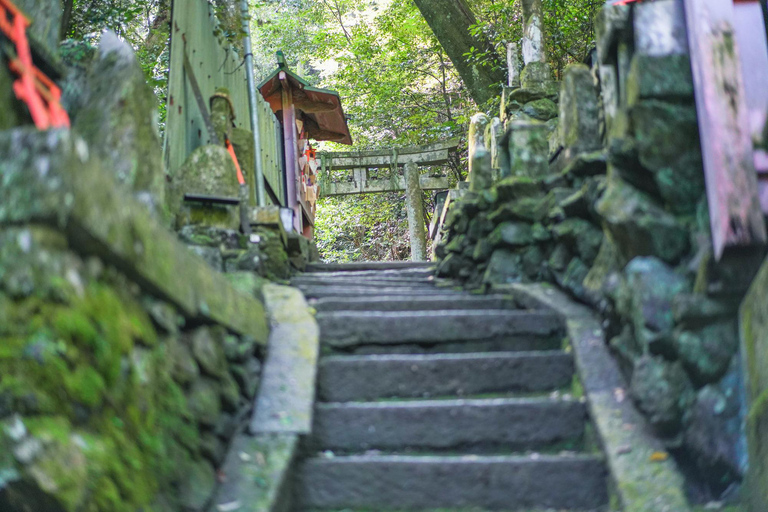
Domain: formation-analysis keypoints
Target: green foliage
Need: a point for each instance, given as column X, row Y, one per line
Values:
column 568, row 27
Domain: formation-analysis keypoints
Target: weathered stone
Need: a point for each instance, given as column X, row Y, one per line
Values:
column 414, row 198
column 537, row 75
column 712, row 434
column 480, row 161
column 611, row 26
column 230, row 394
column 46, row 22
column 209, row 171
column 184, row 368
column 663, row 78
column 651, row 287
column 626, row 349
column 207, row 347
column 212, row 448
column 119, row 121
column 247, row 377
column 662, row 392
column 698, row 310
column 560, row 257
column 483, row 250
column 450, row 266
column 511, row 234
column 606, row 263
column 541, row 110
column 525, row 209
column 707, row 353
column 211, row 255
column 12, row 114
column 504, row 266
column 204, row 402
column 528, row 148
column 667, row 138
column 517, row 187
column 198, row 485
column 579, row 112
column 659, row 29
column 532, row 259
column 574, row 276
column 639, row 226
column 581, row 235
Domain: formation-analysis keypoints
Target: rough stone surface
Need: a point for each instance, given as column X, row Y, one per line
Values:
column 445, row 424
column 347, row 378
column 437, row 482
column 579, row 110
column 351, row 328
column 640, row 227
column 119, row 121
column 662, row 391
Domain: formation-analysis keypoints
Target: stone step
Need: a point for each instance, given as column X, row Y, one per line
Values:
column 364, row 291
column 304, row 281
column 348, row 328
column 369, row 265
column 384, row 274
column 479, row 424
column 428, row 303
column 428, row 482
column 350, row 378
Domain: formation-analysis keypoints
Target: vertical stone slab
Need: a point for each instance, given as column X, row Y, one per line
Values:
column 528, row 149
column 513, row 65
column 579, row 111
column 534, row 49
column 46, row 21
column 480, row 174
column 735, row 214
column 415, row 207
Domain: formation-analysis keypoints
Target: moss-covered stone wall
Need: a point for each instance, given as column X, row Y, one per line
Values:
column 619, row 219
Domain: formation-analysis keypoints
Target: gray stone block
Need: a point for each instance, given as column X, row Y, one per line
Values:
column 497, row 483
column 342, row 329
column 347, row 378
column 395, row 303
column 511, row 423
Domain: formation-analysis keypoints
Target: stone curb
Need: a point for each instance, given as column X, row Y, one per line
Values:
column 641, row 485
column 257, row 469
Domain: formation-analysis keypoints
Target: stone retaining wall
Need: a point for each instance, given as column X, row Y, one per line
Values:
column 619, row 219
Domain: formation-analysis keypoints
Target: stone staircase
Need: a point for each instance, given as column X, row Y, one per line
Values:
column 430, row 398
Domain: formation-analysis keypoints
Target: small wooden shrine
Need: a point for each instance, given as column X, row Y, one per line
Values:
column 307, row 113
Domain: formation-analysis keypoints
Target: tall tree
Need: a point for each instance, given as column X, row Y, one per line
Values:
column 452, row 22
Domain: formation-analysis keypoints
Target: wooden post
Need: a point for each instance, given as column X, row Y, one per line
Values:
column 734, row 208
column 415, row 207
column 291, row 160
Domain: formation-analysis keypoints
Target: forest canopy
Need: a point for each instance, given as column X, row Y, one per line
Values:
column 398, row 85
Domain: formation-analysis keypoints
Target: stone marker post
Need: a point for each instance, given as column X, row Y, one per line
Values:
column 528, row 150
column 513, row 66
column 414, row 203
column 480, row 173
column 533, row 32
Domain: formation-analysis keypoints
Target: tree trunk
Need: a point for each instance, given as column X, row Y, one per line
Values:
column 450, row 21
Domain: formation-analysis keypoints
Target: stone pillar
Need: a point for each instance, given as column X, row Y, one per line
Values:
column 534, row 49
column 528, row 146
column 579, row 110
column 480, row 174
column 513, row 66
column 415, row 206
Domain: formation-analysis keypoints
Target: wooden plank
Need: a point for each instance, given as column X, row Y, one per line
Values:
column 735, row 214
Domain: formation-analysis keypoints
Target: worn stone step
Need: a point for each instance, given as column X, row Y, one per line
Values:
column 303, row 281
column 399, row 303
column 375, row 291
column 369, row 265
column 348, row 328
column 511, row 423
column 350, row 378
column 366, row 274
column 430, row 482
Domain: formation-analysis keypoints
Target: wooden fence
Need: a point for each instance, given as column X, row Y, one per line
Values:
column 212, row 63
